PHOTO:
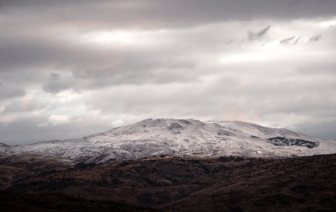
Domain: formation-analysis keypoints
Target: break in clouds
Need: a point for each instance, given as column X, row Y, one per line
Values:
column 73, row 68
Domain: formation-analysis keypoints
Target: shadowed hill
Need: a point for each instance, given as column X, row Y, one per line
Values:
column 218, row 184
column 46, row 202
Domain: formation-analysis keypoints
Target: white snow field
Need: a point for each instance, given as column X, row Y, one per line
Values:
column 181, row 138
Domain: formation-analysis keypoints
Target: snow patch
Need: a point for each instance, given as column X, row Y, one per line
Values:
column 178, row 137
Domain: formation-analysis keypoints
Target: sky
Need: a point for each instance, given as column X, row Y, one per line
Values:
column 70, row 68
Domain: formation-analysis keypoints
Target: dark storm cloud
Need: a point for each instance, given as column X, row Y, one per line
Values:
column 258, row 34
column 7, row 93
column 41, row 51
column 287, row 40
column 159, row 13
column 315, row 38
column 297, row 40
column 54, row 85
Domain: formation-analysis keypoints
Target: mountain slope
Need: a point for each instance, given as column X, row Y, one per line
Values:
column 178, row 184
column 178, row 137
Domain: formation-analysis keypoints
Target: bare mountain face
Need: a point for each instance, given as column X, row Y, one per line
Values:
column 181, row 138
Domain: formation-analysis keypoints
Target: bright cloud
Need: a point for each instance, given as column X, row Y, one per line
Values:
column 59, row 119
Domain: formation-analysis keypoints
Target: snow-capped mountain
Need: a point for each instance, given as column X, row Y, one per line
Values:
column 177, row 137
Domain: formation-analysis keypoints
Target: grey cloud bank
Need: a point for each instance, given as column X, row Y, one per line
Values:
column 72, row 68
column 162, row 13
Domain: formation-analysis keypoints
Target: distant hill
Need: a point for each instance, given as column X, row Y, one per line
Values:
column 178, row 138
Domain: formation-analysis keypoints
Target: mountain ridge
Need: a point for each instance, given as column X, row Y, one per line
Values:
column 179, row 138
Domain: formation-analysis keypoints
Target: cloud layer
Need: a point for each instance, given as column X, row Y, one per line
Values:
column 72, row 68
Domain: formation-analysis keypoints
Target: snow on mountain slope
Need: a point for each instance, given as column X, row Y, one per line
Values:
column 180, row 138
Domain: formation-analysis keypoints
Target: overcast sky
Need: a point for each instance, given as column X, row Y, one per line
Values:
column 70, row 68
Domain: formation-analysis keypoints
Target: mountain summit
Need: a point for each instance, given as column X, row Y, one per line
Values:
column 181, row 138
